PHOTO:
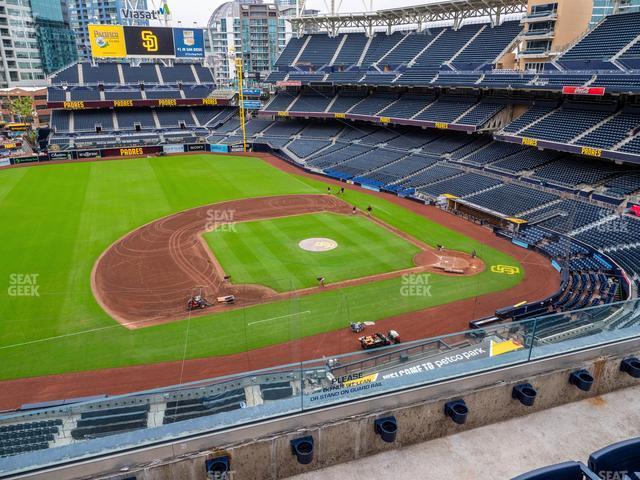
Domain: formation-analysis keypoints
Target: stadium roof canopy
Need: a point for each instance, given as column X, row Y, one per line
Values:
column 419, row 15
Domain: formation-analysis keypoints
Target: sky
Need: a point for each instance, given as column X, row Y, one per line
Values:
column 189, row 11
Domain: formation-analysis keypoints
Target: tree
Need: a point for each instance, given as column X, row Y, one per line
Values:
column 21, row 107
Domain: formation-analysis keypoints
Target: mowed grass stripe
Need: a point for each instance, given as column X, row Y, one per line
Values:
column 273, row 239
column 378, row 245
column 42, row 230
column 271, row 256
column 265, row 255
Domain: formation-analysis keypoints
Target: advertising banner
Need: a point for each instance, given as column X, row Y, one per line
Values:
column 197, row 147
column 82, row 154
column 156, row 42
column 239, row 147
column 5, row 162
column 189, row 43
column 569, row 90
column 173, row 148
column 60, row 155
column 252, row 104
column 130, row 151
column 289, row 83
column 20, row 160
column 214, row 147
column 107, row 41
column 520, row 243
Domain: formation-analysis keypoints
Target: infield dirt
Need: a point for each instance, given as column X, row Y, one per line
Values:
column 146, row 277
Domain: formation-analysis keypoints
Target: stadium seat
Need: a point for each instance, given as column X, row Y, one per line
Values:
column 561, row 471
column 622, row 458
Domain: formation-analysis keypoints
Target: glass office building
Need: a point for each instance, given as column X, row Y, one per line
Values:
column 34, row 41
column 602, row 8
column 56, row 41
column 248, row 28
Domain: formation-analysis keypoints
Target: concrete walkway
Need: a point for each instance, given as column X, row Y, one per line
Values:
column 506, row 449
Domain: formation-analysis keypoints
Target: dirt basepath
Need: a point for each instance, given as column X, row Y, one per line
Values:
column 540, row 280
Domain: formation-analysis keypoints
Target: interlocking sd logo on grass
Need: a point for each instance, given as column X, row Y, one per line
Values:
column 505, row 269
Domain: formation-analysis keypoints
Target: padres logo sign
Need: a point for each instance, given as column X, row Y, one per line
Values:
column 149, row 41
column 505, row 269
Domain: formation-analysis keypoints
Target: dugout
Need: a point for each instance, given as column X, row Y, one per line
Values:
column 461, row 207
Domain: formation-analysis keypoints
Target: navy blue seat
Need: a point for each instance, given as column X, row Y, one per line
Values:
column 352, row 49
column 561, row 471
column 290, row 51
column 621, row 458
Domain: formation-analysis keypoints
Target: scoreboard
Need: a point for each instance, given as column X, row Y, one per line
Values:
column 121, row 41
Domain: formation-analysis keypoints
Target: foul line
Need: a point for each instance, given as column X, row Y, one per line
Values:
column 277, row 318
column 93, row 330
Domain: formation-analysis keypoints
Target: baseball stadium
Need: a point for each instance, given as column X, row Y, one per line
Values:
column 412, row 212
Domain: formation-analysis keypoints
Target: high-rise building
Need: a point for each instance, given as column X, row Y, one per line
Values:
column 602, row 8
column 35, row 41
column 56, row 41
column 248, row 28
column 83, row 13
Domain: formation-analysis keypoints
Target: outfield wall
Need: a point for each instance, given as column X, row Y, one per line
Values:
column 121, row 152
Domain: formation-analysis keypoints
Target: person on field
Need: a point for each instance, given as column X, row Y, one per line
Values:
column 341, row 190
column 354, row 211
column 369, row 210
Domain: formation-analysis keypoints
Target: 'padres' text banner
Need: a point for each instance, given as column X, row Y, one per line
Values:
column 154, row 42
column 107, row 41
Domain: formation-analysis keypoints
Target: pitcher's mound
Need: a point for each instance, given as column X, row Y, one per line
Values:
column 318, row 244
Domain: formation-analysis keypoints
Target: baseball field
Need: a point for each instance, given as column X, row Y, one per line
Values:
column 58, row 220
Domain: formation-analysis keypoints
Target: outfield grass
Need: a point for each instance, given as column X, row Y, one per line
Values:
column 55, row 220
column 267, row 253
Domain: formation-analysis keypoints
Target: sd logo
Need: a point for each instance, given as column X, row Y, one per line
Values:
column 149, row 41
column 505, row 269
